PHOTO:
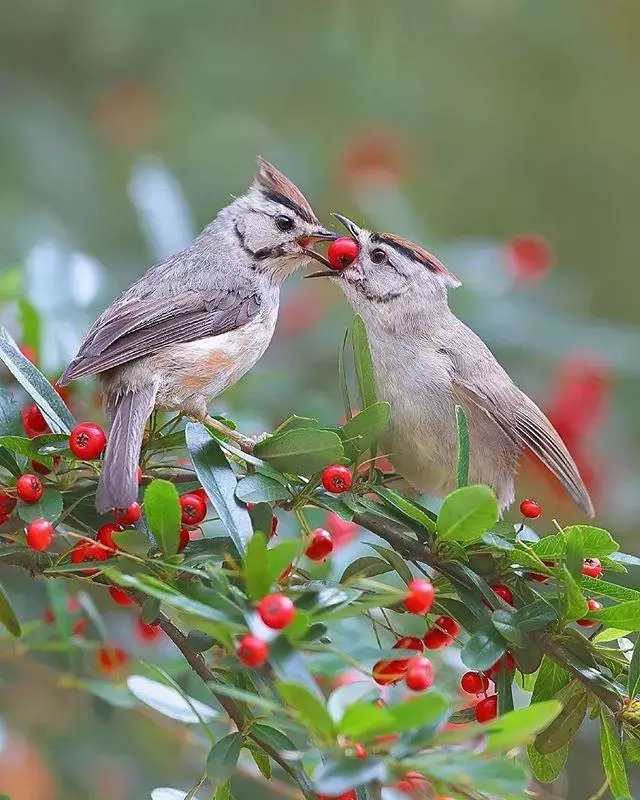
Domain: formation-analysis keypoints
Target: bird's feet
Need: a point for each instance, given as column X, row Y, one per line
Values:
column 246, row 443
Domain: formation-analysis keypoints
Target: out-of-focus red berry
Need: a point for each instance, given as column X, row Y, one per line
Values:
column 487, row 709
column 185, row 538
column 529, row 256
column 7, row 503
column 342, row 531
column 420, row 674
column 385, row 672
column 474, row 683
column 105, row 535
column 120, row 597
column 593, row 605
column 34, row 422
column 276, row 610
column 252, row 651
column 441, row 634
column 502, row 591
column 146, row 632
column 409, row 643
column 111, row 659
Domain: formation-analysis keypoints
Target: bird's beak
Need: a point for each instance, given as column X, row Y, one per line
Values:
column 321, row 235
column 353, row 229
column 326, row 273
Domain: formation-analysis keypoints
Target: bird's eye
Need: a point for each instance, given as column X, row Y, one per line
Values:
column 284, row 223
column 378, row 256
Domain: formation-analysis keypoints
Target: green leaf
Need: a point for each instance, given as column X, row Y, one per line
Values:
column 49, row 507
column 507, row 625
column 261, row 760
column 467, row 513
column 259, row 488
column 301, row 450
column 10, row 416
column 338, row 775
column 397, row 562
column 610, row 635
column 422, row 710
column 169, row 701
column 132, row 541
column 309, row 708
column 365, row 567
column 273, row 737
column 547, row 768
column 574, row 698
column 483, row 649
column 535, row 616
column 363, row 362
column 256, row 578
column 497, row 777
column 223, row 758
column 574, row 556
column 342, row 375
column 7, row 615
column 25, row 447
column 576, row 605
column 36, row 385
column 30, row 321
column 361, row 432
column 598, row 586
column 223, row 791
column 462, row 428
column 612, row 759
column 412, row 511
column 551, row 679
column 363, row 720
column 504, row 688
column 280, row 556
column 10, row 284
column 624, row 615
column 595, row 542
column 517, row 728
column 220, row 483
column 634, row 672
column 163, row 514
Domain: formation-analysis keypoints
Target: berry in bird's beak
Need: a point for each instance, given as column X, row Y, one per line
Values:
column 342, row 252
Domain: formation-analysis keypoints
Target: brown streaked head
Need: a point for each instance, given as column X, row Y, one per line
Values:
column 277, row 187
column 414, row 252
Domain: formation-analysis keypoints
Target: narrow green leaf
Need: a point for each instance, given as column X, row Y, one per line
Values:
column 598, row 586
column 361, row 432
column 309, row 708
column 256, row 578
column 259, row 488
column 365, row 566
column 223, row 791
column 301, row 451
column 169, row 701
column 342, row 375
column 261, row 760
column 504, row 688
column 624, row 615
column 612, row 759
column 574, row 554
column 576, row 605
column 30, row 321
column 49, row 507
column 223, row 758
column 412, row 511
column 363, row 362
column 483, row 649
column 561, row 731
column 634, row 671
column 462, row 428
column 547, row 768
column 10, row 416
column 397, row 562
column 7, row 615
column 163, row 514
column 273, row 737
column 220, row 483
column 610, row 635
column 467, row 513
column 36, row 385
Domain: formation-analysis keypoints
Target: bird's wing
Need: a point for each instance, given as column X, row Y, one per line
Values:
column 478, row 377
column 134, row 327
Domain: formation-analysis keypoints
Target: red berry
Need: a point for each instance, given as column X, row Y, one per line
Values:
column 105, row 535
column 41, row 469
column 529, row 256
column 502, row 591
column 285, row 573
column 194, row 509
column 385, row 672
column 7, row 504
column 201, row 494
column 530, row 509
column 337, row 478
column 420, row 597
column 120, row 597
column 360, row 750
column 474, row 683
column 342, row 252
column 511, row 665
column 88, row 551
column 146, row 632
column 110, row 659
column 538, row 576
column 139, row 476
column 129, row 515
column 487, row 709
column 276, row 611
column 594, row 605
column 87, row 440
column 420, row 674
column 409, row 643
column 441, row 634
column 321, row 545
column 34, row 422
column 592, row 567
column 79, row 627
column 185, row 538
column 252, row 651
column 29, row 488
column 39, row 534
column 274, row 526
column 350, row 795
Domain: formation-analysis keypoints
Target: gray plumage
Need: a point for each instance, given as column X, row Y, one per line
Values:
column 194, row 324
column 427, row 361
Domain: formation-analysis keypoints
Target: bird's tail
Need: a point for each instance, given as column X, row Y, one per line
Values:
column 129, row 412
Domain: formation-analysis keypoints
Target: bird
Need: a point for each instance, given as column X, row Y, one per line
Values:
column 427, row 361
column 195, row 323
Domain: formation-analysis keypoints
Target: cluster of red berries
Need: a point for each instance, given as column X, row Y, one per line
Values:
column 337, row 478
column 277, row 612
column 74, row 608
column 111, row 659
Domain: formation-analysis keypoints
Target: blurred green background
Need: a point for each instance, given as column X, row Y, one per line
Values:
column 504, row 136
